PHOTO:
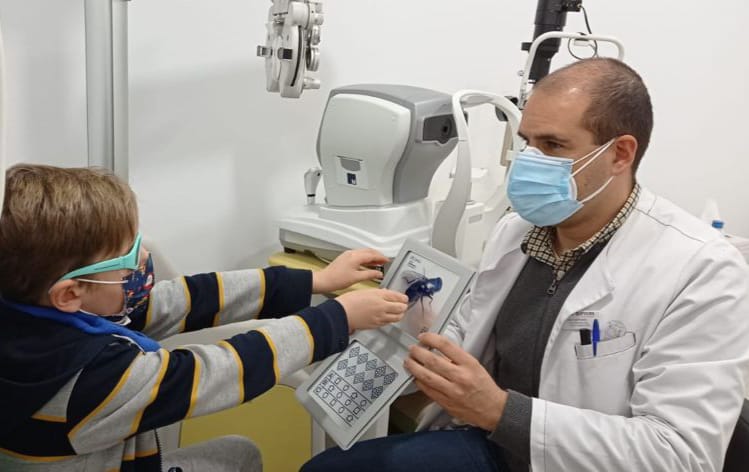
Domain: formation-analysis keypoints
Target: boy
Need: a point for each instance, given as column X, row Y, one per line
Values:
column 84, row 384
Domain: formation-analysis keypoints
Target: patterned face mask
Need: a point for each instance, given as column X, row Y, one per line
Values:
column 138, row 287
column 136, row 290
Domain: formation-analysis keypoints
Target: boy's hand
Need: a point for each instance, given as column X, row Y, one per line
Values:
column 372, row 308
column 347, row 270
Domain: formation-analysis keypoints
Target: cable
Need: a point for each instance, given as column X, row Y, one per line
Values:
column 585, row 15
column 593, row 44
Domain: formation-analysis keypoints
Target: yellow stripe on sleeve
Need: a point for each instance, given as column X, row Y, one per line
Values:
column 261, row 304
column 106, row 401
column 149, row 453
column 24, row 457
column 195, row 383
column 275, row 353
column 48, row 418
column 154, row 390
column 220, row 282
column 188, row 304
column 33, row 458
column 240, row 367
column 310, row 339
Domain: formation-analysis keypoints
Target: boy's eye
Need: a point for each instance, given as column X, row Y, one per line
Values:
column 553, row 145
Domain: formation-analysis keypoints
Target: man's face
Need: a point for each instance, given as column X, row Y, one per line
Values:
column 552, row 123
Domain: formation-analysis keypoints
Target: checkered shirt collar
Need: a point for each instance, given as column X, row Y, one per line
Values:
column 538, row 241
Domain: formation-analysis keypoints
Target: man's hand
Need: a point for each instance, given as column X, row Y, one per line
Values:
column 347, row 269
column 456, row 381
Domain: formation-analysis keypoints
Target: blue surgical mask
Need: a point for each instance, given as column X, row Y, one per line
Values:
column 542, row 189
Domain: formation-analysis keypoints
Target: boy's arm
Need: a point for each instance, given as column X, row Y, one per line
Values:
column 124, row 392
column 192, row 303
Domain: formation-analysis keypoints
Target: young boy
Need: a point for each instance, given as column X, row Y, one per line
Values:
column 83, row 382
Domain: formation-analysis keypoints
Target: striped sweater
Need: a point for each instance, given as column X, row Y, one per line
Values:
column 70, row 401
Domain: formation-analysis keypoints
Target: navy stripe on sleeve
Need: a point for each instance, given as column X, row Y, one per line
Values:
column 257, row 361
column 204, row 297
column 98, row 379
column 286, row 291
column 173, row 400
column 39, row 438
column 329, row 327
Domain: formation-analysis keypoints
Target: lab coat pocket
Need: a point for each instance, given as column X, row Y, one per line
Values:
column 608, row 347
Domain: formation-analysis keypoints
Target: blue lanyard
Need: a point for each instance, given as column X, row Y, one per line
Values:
column 89, row 324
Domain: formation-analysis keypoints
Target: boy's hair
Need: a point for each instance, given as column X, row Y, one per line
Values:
column 56, row 220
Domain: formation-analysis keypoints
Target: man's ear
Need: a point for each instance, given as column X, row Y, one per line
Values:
column 65, row 295
column 625, row 148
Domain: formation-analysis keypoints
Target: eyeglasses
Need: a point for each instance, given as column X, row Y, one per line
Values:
column 129, row 261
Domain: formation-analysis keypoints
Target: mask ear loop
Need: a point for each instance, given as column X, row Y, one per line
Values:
column 593, row 156
column 593, row 195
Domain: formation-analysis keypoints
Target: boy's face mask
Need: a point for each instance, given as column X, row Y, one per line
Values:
column 136, row 293
column 136, row 287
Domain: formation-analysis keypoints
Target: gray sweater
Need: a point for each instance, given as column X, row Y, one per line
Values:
column 522, row 330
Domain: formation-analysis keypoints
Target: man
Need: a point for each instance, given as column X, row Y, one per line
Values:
column 607, row 328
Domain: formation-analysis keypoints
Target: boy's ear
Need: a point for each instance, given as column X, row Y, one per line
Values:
column 65, row 295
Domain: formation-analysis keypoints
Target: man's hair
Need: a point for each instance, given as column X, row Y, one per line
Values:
column 619, row 101
column 56, row 220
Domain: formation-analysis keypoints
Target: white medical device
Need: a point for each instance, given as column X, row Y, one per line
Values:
column 379, row 147
column 461, row 226
column 291, row 46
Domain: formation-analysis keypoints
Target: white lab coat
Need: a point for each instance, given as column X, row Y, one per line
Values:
column 664, row 393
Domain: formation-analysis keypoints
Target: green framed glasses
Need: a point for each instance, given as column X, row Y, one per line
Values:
column 129, row 261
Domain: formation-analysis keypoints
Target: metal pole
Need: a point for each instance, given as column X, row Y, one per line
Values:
column 107, row 84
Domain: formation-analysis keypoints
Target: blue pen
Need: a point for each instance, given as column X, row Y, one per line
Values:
column 596, row 335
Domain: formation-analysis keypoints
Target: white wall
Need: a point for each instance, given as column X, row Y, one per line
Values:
column 216, row 160
column 46, row 88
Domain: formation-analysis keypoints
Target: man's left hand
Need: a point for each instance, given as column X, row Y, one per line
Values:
column 456, row 381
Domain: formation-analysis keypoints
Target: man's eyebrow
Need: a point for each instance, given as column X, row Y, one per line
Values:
column 546, row 137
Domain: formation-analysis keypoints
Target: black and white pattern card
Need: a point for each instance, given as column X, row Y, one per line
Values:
column 352, row 383
column 349, row 390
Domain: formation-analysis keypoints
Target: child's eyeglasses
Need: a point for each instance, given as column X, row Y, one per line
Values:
column 129, row 261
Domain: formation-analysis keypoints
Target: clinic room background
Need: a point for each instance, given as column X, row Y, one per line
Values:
column 216, row 160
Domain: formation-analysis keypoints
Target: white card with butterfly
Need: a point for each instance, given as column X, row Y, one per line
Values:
column 348, row 391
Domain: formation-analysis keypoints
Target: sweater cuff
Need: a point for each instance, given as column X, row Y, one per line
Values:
column 329, row 328
column 513, row 432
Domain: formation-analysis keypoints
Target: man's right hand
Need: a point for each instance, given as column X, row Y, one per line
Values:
column 372, row 308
